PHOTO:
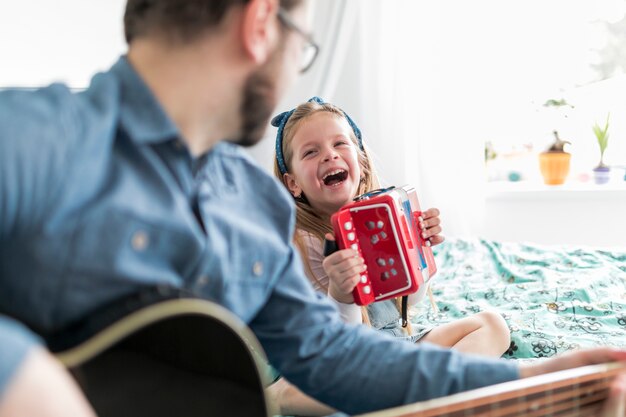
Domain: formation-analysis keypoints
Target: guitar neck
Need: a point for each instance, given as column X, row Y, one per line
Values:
column 573, row 392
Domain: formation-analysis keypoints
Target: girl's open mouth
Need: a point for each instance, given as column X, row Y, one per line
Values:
column 335, row 177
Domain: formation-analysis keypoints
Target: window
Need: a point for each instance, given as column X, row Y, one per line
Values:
column 558, row 66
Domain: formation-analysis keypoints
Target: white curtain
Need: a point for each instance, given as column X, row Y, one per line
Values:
column 411, row 111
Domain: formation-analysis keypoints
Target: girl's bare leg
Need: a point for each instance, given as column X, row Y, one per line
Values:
column 485, row 333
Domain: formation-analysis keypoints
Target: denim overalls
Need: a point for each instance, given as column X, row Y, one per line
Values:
column 385, row 316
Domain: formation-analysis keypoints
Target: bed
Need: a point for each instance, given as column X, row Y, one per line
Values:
column 554, row 299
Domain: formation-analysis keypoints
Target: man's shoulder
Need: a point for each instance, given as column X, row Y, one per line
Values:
column 37, row 121
column 41, row 102
column 54, row 105
column 54, row 117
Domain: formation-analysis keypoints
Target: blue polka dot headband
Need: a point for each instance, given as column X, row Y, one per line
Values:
column 281, row 120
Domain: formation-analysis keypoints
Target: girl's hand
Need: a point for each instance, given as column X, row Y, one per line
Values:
column 343, row 269
column 430, row 226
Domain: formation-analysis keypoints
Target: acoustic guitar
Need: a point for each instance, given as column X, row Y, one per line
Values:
column 149, row 355
column 165, row 355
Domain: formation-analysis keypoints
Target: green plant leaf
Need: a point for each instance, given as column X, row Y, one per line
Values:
column 602, row 135
column 556, row 103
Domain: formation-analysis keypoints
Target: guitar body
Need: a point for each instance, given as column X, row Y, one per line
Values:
column 177, row 357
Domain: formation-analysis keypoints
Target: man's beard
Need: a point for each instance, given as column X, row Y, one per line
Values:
column 257, row 107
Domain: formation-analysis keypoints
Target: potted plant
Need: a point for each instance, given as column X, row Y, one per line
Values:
column 554, row 162
column 601, row 173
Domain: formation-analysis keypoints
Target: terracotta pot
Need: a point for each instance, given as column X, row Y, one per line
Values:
column 554, row 167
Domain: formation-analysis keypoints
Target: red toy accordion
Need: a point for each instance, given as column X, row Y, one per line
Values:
column 383, row 226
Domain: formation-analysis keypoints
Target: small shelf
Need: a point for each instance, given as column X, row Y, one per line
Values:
column 527, row 190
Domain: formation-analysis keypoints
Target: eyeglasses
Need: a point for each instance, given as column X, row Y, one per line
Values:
column 310, row 49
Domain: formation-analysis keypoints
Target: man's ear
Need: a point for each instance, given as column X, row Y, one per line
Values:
column 292, row 185
column 260, row 29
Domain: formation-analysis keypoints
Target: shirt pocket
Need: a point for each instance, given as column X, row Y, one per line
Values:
column 122, row 244
column 247, row 274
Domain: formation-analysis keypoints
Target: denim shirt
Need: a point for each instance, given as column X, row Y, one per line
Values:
column 16, row 341
column 99, row 196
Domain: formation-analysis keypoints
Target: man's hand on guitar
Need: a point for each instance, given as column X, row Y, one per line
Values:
column 343, row 269
column 573, row 360
column 430, row 225
column 615, row 405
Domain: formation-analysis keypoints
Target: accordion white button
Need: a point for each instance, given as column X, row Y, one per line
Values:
column 374, row 239
column 393, row 271
column 355, row 246
column 391, row 261
column 363, row 279
column 381, row 262
column 347, row 225
column 380, row 224
column 351, row 236
column 367, row 289
column 370, row 225
column 383, row 235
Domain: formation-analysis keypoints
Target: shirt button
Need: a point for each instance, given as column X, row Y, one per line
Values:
column 178, row 145
column 203, row 280
column 257, row 268
column 140, row 240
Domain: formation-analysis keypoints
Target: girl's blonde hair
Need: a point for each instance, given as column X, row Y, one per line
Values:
column 306, row 217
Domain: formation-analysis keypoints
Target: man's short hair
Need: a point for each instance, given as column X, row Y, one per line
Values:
column 179, row 20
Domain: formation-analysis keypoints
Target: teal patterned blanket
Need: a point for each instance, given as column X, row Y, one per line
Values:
column 554, row 299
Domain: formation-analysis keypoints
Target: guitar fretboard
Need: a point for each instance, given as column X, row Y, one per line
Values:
column 570, row 393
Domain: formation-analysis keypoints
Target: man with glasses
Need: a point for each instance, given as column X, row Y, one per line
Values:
column 140, row 181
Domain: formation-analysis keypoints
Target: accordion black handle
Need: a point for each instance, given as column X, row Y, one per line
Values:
column 372, row 193
column 330, row 247
column 405, row 302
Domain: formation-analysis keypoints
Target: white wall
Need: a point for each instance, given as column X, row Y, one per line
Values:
column 585, row 215
column 62, row 40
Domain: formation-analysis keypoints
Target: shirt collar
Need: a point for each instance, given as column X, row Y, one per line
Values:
column 141, row 115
